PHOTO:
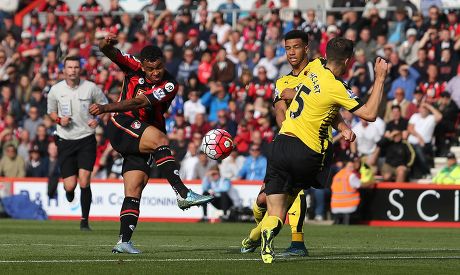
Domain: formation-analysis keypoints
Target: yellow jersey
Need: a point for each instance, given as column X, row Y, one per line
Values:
column 318, row 100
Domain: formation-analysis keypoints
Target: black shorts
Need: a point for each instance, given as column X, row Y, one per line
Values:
column 76, row 154
column 293, row 166
column 125, row 133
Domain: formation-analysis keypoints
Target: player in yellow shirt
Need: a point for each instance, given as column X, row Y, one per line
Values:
column 297, row 209
column 300, row 150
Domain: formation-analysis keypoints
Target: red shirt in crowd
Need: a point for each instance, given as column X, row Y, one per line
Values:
column 432, row 90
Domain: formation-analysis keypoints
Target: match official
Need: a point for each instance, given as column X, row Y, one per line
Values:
column 68, row 103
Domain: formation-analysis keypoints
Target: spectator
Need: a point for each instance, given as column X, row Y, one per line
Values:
column 421, row 65
column 219, row 187
column 179, row 144
column 407, row 81
column 432, row 87
column 367, row 136
column 205, row 67
column 399, row 157
column 345, row 195
column 396, row 122
column 398, row 27
column 268, row 62
column 254, row 166
column 453, row 87
column 42, row 140
column 203, row 165
column 449, row 174
column 171, row 62
column 231, row 165
column 38, row 101
column 220, row 27
column 399, row 101
column 243, row 137
column 380, row 5
column 36, row 167
column 198, row 46
column 200, row 126
column 445, row 131
column 378, row 25
column 421, row 128
column 185, row 22
column 9, row 103
column 447, row 66
column 229, row 5
column 155, row 5
column 23, row 90
column 312, row 25
column 262, row 86
column 192, row 107
column 414, row 106
column 223, row 69
column 215, row 99
column 409, row 48
column 223, row 122
column 24, row 145
column 187, row 66
column 189, row 162
column 366, row 44
column 12, row 165
column 33, row 121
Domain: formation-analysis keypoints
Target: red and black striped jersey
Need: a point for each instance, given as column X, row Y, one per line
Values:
column 160, row 94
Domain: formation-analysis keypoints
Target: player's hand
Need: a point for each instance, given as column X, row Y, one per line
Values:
column 109, row 40
column 96, row 109
column 381, row 68
column 92, row 123
column 65, row 121
column 348, row 135
column 288, row 94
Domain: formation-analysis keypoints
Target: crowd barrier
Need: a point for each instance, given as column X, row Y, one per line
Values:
column 384, row 204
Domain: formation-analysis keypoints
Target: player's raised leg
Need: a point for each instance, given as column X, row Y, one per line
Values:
column 134, row 183
column 155, row 142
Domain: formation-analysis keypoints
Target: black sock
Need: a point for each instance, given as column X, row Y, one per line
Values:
column 85, row 201
column 168, row 168
column 128, row 217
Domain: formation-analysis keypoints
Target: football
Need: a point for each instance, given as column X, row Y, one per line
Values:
column 217, row 144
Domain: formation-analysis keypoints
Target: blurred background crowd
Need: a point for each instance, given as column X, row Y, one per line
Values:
column 227, row 64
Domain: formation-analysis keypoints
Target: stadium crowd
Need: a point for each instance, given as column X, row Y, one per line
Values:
column 226, row 70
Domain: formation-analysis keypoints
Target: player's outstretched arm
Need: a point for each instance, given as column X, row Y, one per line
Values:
column 122, row 106
column 107, row 46
column 369, row 110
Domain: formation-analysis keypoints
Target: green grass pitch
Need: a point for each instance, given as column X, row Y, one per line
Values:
column 57, row 247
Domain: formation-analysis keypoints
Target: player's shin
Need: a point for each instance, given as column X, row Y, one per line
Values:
column 129, row 215
column 258, row 212
column 296, row 219
column 169, row 169
column 85, row 201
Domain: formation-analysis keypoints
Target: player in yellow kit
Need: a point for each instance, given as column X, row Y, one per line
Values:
column 300, row 151
column 297, row 211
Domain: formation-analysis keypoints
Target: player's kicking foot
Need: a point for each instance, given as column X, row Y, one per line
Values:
column 125, row 247
column 84, row 225
column 267, row 252
column 70, row 195
column 249, row 246
column 192, row 199
column 292, row 251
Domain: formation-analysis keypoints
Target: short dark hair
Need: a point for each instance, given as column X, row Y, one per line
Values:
column 151, row 53
column 339, row 49
column 297, row 34
column 396, row 107
column 72, row 58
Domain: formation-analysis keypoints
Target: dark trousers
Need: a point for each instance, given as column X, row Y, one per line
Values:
column 223, row 202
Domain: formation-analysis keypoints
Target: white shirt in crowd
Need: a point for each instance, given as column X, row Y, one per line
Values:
column 423, row 126
column 187, row 167
column 230, row 167
column 368, row 136
column 191, row 109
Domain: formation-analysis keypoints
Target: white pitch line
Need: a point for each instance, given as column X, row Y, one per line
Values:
column 234, row 246
column 332, row 258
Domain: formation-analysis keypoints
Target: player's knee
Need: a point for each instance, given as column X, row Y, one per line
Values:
column 262, row 200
